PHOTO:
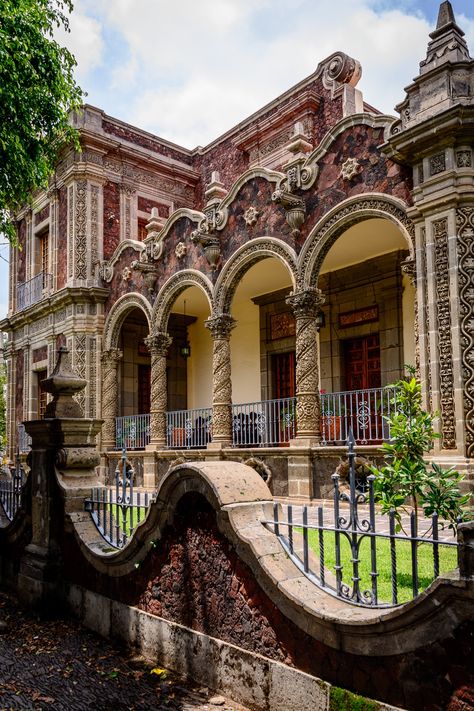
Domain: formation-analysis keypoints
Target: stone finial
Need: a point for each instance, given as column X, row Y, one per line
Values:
column 445, row 15
column 63, row 383
column 215, row 190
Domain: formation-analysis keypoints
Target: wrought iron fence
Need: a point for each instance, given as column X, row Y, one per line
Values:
column 132, row 431
column 333, row 556
column 24, row 439
column 363, row 411
column 117, row 511
column 189, row 429
column 263, row 424
column 33, row 290
column 11, row 486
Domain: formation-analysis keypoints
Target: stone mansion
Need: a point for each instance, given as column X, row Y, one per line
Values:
column 252, row 299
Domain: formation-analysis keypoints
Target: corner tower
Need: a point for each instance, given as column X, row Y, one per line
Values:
column 434, row 136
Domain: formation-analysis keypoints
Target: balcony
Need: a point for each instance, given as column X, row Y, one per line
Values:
column 271, row 423
column 33, row 290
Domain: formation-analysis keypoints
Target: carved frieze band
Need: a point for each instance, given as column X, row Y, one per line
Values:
column 465, row 250
column 80, row 241
column 445, row 354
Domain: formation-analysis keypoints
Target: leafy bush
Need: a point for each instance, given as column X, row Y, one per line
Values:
column 406, row 479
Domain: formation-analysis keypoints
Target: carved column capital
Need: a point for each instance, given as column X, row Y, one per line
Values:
column 112, row 357
column 220, row 326
column 158, row 343
column 408, row 267
column 306, row 303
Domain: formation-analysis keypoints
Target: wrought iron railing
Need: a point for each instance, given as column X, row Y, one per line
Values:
column 264, row 424
column 363, row 411
column 33, row 290
column 336, row 559
column 24, row 439
column 118, row 510
column 189, row 429
column 11, row 486
column 132, row 431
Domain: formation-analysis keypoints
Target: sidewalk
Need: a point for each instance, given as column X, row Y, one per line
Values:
column 60, row 666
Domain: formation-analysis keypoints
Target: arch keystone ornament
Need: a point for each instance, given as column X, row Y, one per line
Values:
column 220, row 327
column 158, row 344
column 305, row 305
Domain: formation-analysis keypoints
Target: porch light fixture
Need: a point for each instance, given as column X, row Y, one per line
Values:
column 320, row 319
column 185, row 349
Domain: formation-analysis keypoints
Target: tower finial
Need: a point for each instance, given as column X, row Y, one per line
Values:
column 445, row 15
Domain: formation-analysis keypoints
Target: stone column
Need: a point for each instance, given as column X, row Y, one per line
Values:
column 220, row 327
column 158, row 345
column 305, row 305
column 110, row 391
column 62, row 451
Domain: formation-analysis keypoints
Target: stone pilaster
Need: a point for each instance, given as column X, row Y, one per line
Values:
column 220, row 327
column 158, row 345
column 110, row 361
column 305, row 305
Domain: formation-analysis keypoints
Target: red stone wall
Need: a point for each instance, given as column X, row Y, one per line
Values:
column 61, row 255
column 21, row 273
column 40, row 354
column 111, row 218
column 41, row 215
column 146, row 205
column 20, row 369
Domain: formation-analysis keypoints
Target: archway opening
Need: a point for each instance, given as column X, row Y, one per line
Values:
column 369, row 331
column 263, row 355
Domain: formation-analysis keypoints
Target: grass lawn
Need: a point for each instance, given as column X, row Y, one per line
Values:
column 447, row 562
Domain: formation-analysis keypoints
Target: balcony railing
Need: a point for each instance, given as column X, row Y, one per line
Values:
column 189, row 429
column 268, row 423
column 33, row 290
column 362, row 410
column 132, row 431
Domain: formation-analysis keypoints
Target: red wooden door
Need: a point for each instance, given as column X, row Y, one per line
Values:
column 284, row 375
column 362, row 362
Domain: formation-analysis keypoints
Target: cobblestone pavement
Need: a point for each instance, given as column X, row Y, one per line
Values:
column 60, row 666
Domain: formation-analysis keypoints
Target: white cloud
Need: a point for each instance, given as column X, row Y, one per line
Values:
column 190, row 70
column 84, row 40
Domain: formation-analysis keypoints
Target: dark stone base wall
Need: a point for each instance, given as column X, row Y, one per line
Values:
column 194, row 577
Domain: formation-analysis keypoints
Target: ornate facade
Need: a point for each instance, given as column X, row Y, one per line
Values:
column 257, row 294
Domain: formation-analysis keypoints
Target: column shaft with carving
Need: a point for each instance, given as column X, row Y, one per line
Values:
column 158, row 345
column 110, row 361
column 305, row 305
column 220, row 327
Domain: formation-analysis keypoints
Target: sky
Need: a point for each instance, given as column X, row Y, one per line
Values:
column 189, row 70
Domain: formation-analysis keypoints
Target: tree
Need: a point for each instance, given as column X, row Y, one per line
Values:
column 37, row 94
column 406, row 479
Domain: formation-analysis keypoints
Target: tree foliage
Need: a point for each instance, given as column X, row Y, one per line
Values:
column 37, row 93
column 407, row 479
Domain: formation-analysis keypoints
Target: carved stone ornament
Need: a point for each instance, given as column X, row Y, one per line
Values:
column 350, row 168
column 294, row 207
column 126, row 274
column 181, row 250
column 408, row 267
column 464, row 159
column 158, row 343
column 106, row 272
column 437, row 164
column 465, row 250
column 220, row 326
column 206, row 237
column 63, row 384
column 306, row 304
column 251, row 215
column 342, row 69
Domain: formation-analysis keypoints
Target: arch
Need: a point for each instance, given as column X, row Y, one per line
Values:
column 241, row 261
column 170, row 291
column 345, row 215
column 118, row 314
